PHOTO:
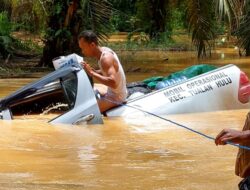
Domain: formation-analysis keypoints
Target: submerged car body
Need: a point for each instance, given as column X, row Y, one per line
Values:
column 221, row 89
column 225, row 88
column 69, row 86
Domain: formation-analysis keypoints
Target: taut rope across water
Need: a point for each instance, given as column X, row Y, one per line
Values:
column 177, row 124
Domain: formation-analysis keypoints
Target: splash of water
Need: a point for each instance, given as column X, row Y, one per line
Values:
column 58, row 106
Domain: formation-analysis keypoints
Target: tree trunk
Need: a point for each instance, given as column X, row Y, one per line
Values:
column 61, row 37
column 65, row 22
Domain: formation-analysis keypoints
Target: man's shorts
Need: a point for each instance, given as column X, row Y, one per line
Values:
column 109, row 97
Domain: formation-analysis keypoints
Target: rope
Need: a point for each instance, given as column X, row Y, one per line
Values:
column 175, row 123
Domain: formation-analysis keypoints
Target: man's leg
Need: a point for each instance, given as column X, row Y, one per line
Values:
column 103, row 103
column 102, row 89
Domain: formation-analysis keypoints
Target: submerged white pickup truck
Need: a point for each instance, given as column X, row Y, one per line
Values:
column 221, row 89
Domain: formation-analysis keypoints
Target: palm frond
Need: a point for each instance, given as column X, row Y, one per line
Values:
column 98, row 17
column 243, row 34
column 201, row 25
column 232, row 9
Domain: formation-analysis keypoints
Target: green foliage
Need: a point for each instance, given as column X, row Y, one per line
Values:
column 201, row 25
column 144, row 20
column 28, row 45
column 66, row 19
column 62, row 33
column 5, row 7
column 144, row 15
column 122, row 22
column 57, row 9
column 219, row 28
column 5, row 24
column 154, row 16
column 229, row 9
column 243, row 31
column 5, row 38
column 176, row 19
column 97, row 17
column 25, row 23
column 33, row 19
column 7, row 43
column 123, row 15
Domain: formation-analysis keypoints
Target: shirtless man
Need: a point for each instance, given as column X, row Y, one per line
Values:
column 112, row 87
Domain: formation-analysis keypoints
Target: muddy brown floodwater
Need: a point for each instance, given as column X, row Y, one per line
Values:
column 124, row 153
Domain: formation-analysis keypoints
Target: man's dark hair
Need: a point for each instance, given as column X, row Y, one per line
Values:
column 89, row 36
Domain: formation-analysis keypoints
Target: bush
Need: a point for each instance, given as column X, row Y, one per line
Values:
column 5, row 24
column 5, row 38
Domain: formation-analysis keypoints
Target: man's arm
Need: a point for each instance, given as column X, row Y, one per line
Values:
column 88, row 68
column 108, row 67
column 233, row 136
column 98, row 71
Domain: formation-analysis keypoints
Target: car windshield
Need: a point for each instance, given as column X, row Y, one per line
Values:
column 56, row 96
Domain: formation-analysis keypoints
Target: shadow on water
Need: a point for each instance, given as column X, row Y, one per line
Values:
column 124, row 153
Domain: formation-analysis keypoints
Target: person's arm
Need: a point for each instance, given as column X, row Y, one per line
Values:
column 98, row 71
column 108, row 67
column 233, row 136
column 88, row 68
